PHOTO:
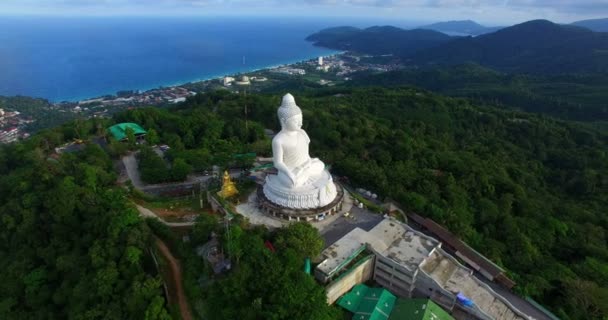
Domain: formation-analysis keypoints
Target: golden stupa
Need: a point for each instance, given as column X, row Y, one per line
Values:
column 228, row 187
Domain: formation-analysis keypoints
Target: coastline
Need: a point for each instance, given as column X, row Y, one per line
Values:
column 199, row 80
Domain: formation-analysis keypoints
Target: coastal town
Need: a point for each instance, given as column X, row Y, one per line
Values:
column 10, row 124
column 322, row 71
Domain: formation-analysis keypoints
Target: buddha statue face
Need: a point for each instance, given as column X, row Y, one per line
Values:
column 290, row 114
column 293, row 123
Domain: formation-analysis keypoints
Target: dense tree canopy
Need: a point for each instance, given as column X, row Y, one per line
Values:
column 526, row 190
column 71, row 247
column 301, row 237
column 269, row 285
column 573, row 97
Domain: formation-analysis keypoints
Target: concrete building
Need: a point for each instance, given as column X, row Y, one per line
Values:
column 228, row 81
column 320, row 61
column 10, row 135
column 468, row 255
column 244, row 81
column 412, row 264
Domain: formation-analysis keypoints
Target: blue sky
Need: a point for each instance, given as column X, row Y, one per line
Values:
column 489, row 12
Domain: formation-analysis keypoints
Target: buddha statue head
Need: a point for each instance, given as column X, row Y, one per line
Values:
column 290, row 115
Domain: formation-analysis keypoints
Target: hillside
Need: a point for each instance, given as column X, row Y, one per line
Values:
column 460, row 27
column 527, row 191
column 72, row 246
column 378, row 40
column 537, row 46
column 598, row 25
column 574, row 97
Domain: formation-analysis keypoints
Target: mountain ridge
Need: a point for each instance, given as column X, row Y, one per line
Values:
column 536, row 46
column 460, row 27
column 378, row 39
column 597, row 25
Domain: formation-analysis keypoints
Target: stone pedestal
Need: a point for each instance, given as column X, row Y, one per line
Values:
column 320, row 192
column 301, row 214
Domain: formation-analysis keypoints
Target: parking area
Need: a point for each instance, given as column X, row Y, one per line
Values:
column 339, row 225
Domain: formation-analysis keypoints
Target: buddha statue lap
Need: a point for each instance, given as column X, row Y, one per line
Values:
column 302, row 182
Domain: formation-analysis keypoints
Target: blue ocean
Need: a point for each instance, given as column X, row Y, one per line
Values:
column 68, row 58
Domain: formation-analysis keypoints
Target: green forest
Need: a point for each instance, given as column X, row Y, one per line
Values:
column 72, row 247
column 526, row 190
column 579, row 97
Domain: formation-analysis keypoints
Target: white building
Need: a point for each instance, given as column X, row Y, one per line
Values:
column 228, row 81
column 411, row 264
column 320, row 61
column 244, row 81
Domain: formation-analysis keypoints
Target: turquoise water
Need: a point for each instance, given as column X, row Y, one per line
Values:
column 77, row 58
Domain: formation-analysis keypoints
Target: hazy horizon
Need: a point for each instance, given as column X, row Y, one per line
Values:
column 489, row 13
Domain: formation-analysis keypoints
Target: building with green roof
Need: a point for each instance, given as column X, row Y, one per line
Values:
column 368, row 303
column 119, row 131
column 418, row 309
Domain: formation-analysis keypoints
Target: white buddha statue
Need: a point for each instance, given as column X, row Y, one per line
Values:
column 302, row 182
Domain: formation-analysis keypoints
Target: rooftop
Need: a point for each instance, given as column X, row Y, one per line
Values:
column 477, row 259
column 418, row 309
column 454, row 277
column 342, row 251
column 390, row 238
column 401, row 243
column 119, row 131
column 368, row 303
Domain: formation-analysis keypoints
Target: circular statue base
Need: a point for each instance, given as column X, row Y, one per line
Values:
column 291, row 214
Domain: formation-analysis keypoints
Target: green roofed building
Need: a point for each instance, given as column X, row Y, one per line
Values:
column 119, row 131
column 368, row 303
column 418, row 309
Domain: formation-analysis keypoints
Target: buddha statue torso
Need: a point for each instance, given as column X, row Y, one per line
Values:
column 295, row 148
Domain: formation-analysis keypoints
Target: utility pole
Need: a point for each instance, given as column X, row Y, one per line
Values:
column 200, row 194
column 246, row 122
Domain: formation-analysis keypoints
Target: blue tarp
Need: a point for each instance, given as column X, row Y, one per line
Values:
column 464, row 300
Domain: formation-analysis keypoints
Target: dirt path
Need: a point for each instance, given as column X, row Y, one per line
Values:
column 176, row 273
column 145, row 212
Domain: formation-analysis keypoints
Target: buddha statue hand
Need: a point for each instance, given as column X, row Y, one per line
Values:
column 299, row 175
column 311, row 168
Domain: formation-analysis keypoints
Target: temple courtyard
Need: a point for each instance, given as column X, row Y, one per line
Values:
column 331, row 228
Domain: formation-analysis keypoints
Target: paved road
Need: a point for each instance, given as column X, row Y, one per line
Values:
column 131, row 166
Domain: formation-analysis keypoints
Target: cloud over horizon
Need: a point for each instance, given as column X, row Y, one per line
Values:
column 503, row 11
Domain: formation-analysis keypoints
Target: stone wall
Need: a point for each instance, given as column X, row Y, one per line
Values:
column 360, row 273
